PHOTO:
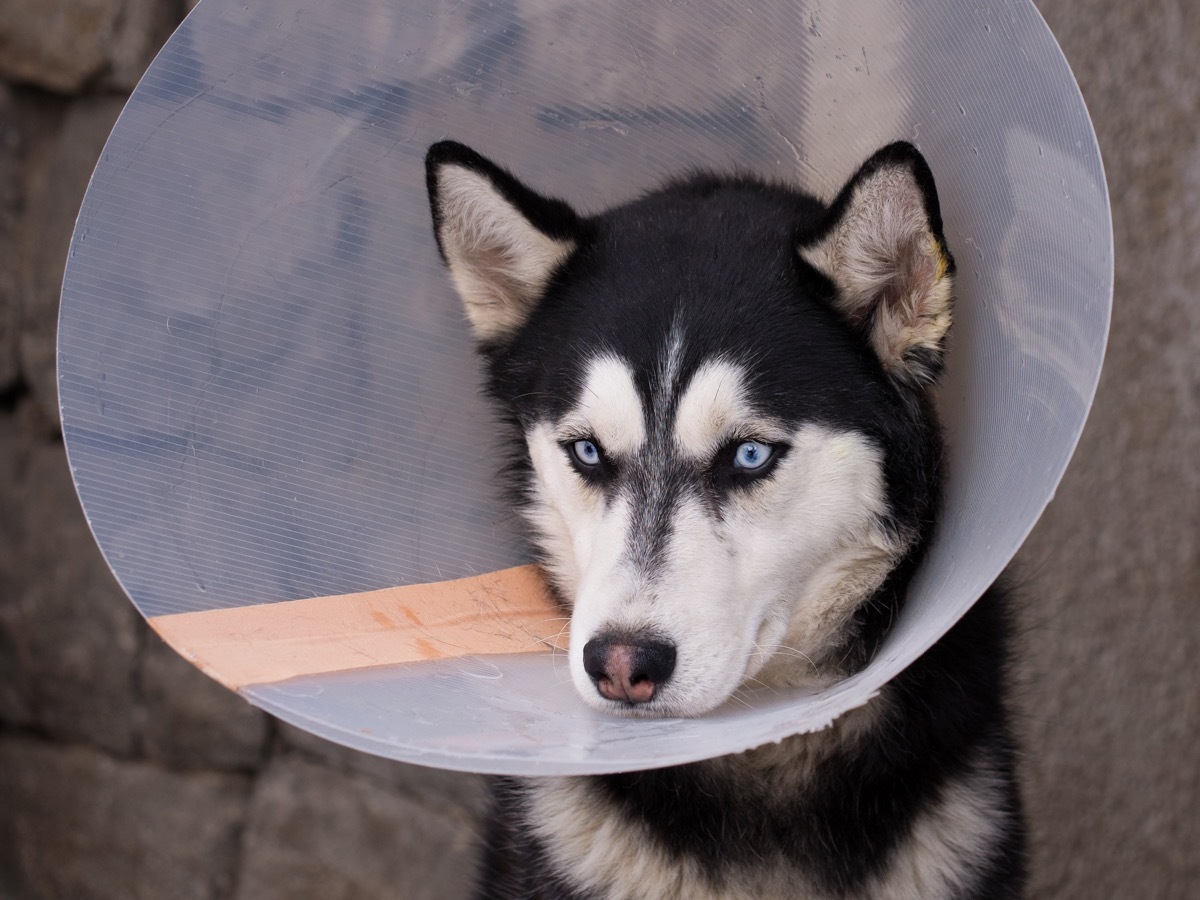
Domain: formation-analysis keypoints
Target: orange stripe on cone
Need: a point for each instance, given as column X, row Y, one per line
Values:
column 509, row 611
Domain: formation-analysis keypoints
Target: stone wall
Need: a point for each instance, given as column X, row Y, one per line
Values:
column 124, row 773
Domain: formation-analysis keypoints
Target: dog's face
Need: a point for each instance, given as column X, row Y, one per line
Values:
column 720, row 390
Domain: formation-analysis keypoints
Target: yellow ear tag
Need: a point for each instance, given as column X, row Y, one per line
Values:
column 943, row 262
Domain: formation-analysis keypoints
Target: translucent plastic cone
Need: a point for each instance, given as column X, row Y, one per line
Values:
column 269, row 392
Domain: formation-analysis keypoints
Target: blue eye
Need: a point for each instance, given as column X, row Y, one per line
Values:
column 751, row 455
column 586, row 452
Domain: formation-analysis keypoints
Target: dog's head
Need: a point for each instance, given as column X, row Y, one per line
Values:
column 721, row 387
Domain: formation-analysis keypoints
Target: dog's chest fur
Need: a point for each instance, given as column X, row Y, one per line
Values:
column 911, row 797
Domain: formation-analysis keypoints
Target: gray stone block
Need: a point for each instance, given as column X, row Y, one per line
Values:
column 66, row 45
column 456, row 794
column 68, row 636
column 10, row 203
column 192, row 722
column 1112, row 645
column 315, row 833
column 56, row 183
column 75, row 823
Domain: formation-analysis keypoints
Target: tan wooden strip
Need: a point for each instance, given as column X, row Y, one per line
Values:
column 509, row 611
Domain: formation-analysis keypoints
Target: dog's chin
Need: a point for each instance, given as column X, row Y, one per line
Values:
column 652, row 710
column 655, row 709
column 669, row 705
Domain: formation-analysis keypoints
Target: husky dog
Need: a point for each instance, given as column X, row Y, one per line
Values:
column 730, row 465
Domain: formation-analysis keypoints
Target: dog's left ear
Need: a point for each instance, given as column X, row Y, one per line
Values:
column 501, row 241
column 883, row 249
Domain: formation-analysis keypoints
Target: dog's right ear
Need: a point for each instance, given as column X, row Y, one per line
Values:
column 501, row 241
column 884, row 250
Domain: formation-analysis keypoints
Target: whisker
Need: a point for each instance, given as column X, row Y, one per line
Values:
column 760, row 684
column 797, row 654
column 741, row 701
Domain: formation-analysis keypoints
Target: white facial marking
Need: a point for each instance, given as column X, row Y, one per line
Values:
column 576, row 529
column 713, row 409
column 669, row 364
column 825, row 554
column 610, row 408
column 580, row 533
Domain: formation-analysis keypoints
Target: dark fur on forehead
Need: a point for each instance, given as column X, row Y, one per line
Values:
column 710, row 256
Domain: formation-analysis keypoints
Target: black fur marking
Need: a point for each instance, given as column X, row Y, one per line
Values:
column 654, row 493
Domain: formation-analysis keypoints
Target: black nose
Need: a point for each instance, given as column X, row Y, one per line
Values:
column 626, row 668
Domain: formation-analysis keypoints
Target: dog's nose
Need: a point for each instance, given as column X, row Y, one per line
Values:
column 628, row 669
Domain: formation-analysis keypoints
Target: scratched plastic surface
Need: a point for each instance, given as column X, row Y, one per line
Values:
column 268, row 391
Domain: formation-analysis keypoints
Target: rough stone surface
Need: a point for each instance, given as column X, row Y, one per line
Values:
column 456, row 793
column 10, row 209
column 77, row 824
column 190, row 721
column 67, row 634
column 1112, row 647
column 57, row 181
column 318, row 833
column 65, row 45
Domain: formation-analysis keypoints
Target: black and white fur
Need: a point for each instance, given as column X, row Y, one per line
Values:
column 730, row 466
